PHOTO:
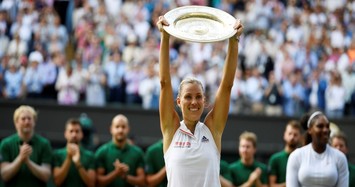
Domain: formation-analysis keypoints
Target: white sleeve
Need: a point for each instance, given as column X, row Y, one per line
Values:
column 343, row 171
column 293, row 166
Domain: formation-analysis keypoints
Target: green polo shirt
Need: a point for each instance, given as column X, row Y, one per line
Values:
column 351, row 175
column 41, row 154
column 225, row 171
column 277, row 165
column 87, row 160
column 240, row 172
column 131, row 155
column 154, row 160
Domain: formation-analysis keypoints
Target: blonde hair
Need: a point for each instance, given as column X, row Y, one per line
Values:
column 25, row 108
column 189, row 80
column 249, row 136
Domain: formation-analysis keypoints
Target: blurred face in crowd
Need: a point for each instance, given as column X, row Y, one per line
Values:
column 246, row 149
column 119, row 129
column 292, row 136
column 320, row 130
column 73, row 133
column 339, row 144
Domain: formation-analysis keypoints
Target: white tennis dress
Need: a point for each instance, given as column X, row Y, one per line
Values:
column 307, row 168
column 192, row 160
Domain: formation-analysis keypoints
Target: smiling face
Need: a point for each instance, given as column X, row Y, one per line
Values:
column 320, row 130
column 191, row 101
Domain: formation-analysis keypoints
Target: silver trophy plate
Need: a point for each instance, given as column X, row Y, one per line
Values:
column 200, row 24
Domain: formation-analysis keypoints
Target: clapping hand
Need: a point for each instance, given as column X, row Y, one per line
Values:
column 121, row 168
column 25, row 152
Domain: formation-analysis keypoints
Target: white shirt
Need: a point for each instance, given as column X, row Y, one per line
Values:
column 192, row 160
column 307, row 168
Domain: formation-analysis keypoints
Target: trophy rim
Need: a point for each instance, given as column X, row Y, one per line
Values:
column 212, row 16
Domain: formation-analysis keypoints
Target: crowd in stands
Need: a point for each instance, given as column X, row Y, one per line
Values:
column 295, row 56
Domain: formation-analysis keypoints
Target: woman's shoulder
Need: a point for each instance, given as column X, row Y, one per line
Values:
column 300, row 151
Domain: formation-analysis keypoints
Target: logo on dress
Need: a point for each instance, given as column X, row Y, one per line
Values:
column 182, row 145
column 204, row 139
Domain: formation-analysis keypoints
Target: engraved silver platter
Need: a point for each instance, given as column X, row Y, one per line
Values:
column 200, row 24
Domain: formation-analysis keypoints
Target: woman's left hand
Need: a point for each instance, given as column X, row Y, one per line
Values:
column 239, row 27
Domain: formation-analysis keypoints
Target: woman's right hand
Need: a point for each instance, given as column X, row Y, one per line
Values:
column 162, row 22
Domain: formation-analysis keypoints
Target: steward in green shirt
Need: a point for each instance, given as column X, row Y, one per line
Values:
column 340, row 142
column 26, row 157
column 74, row 165
column 351, row 175
column 277, row 166
column 119, row 163
column 278, row 161
column 225, row 174
column 247, row 171
column 241, row 172
column 155, row 165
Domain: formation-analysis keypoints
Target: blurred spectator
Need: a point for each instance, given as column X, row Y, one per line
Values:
column 21, row 28
column 96, row 82
column 149, row 88
column 4, row 43
column 101, row 19
column 238, row 100
column 13, row 78
column 132, row 78
column 79, row 68
column 253, row 42
column 141, row 25
column 348, row 79
column 41, row 31
column 273, row 95
column 335, row 96
column 113, row 7
column 3, row 63
column 255, row 85
column 316, row 85
column 200, row 53
column 92, row 51
column 17, row 47
column 115, row 70
column 4, row 28
column 68, row 86
column 49, row 72
column 58, row 30
column 294, row 95
column 32, row 80
column 132, row 51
